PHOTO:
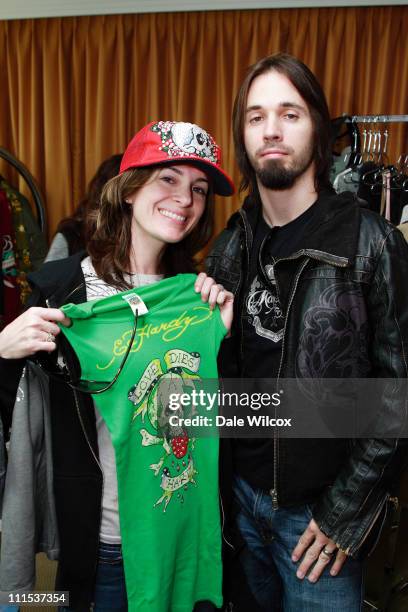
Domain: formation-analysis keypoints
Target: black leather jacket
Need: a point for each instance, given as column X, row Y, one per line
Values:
column 349, row 281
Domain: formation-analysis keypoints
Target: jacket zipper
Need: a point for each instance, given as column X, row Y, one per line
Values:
column 386, row 499
column 47, row 301
column 243, row 216
column 372, row 523
column 223, row 524
column 74, row 290
column 274, row 491
column 333, row 260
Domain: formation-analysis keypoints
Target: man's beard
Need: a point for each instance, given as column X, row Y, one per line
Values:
column 274, row 175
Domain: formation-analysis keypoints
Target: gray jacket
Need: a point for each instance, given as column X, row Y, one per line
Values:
column 28, row 521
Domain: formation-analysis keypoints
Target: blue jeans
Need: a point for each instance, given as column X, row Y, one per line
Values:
column 270, row 537
column 110, row 589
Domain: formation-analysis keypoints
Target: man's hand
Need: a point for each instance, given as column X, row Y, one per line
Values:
column 317, row 549
column 214, row 293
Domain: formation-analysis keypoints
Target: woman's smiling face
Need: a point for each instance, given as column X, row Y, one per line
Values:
column 169, row 205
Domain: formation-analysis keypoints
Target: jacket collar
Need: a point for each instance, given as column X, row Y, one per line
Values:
column 61, row 281
column 332, row 235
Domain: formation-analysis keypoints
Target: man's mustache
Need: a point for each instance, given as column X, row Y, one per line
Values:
column 269, row 148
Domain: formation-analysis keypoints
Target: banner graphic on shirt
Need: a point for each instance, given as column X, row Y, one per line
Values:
column 151, row 398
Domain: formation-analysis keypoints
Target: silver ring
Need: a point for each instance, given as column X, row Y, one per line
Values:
column 328, row 553
column 50, row 337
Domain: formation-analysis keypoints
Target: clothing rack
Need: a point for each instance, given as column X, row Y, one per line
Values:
column 376, row 119
column 21, row 169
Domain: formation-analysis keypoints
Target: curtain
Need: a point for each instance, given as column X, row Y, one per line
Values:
column 75, row 90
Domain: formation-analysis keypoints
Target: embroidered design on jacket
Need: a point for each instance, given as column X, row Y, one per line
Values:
column 335, row 337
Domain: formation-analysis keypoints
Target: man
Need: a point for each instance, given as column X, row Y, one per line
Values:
column 318, row 283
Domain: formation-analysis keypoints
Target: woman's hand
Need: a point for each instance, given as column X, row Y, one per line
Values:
column 33, row 331
column 214, row 293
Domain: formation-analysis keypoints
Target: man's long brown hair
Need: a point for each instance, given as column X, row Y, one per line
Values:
column 309, row 88
column 110, row 245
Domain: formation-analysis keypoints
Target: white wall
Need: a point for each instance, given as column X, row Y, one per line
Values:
column 20, row 9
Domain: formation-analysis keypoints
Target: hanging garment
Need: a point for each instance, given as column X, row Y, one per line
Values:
column 347, row 180
column 404, row 207
column 379, row 189
column 23, row 263
column 31, row 245
column 404, row 229
column 372, row 197
column 59, row 248
column 29, row 523
column 11, row 293
column 1, row 299
column 167, row 480
column 339, row 163
column 3, row 465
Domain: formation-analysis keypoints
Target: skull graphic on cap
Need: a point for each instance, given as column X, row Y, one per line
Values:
column 181, row 139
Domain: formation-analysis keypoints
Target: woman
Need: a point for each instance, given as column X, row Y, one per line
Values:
column 154, row 216
column 73, row 232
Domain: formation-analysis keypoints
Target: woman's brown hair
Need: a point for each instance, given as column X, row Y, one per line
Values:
column 80, row 225
column 110, row 245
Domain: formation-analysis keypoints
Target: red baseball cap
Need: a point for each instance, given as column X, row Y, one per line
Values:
column 172, row 142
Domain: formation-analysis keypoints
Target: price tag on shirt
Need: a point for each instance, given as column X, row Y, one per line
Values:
column 136, row 303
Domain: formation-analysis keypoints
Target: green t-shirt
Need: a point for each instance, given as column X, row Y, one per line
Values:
column 167, row 481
